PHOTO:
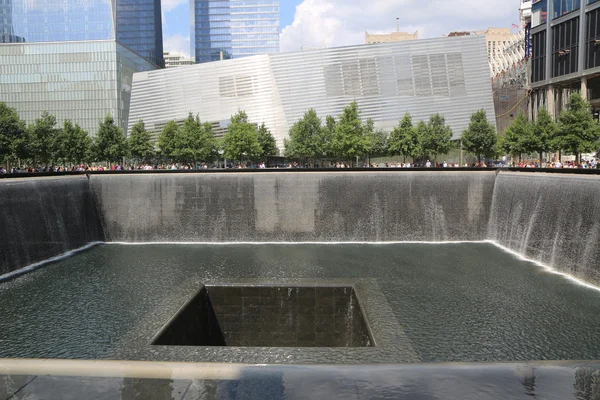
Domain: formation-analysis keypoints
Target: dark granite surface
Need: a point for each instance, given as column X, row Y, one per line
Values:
column 269, row 316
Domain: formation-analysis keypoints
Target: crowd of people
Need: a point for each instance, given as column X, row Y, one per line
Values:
column 584, row 164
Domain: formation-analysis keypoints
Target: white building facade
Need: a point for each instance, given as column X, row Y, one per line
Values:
column 449, row 76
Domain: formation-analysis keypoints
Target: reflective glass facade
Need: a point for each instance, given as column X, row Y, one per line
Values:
column 237, row 28
column 564, row 7
column 80, row 81
column 138, row 23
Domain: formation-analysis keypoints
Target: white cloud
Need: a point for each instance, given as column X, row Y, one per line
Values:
column 168, row 5
column 177, row 44
column 320, row 23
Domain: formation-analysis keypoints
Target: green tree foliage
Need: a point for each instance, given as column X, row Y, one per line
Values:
column 267, row 142
column 141, row 147
column 437, row 138
column 167, row 139
column 13, row 137
column 306, row 137
column 480, row 137
column 327, row 132
column 110, row 144
column 349, row 140
column 241, row 139
column 404, row 140
column 194, row 141
column 43, row 139
column 518, row 138
column 578, row 132
column 377, row 140
column 74, row 144
column 544, row 130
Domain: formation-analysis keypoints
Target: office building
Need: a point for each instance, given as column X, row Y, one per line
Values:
column 565, row 38
column 177, row 60
column 75, row 59
column 233, row 29
column 390, row 37
column 448, row 76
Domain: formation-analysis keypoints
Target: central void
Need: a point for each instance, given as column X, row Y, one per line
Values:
column 422, row 303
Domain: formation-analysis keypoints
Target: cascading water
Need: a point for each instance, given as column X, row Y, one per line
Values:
column 42, row 218
column 553, row 219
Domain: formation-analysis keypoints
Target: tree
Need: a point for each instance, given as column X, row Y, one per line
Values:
column 480, row 137
column 326, row 140
column 421, row 132
column 578, row 132
column 306, row 137
column 404, row 140
column 13, row 135
column 349, row 140
column 141, row 147
column 110, row 144
column 266, row 141
column 437, row 139
column 377, row 140
column 194, row 141
column 43, row 139
column 167, row 139
column 518, row 138
column 74, row 143
column 544, row 130
column 241, row 139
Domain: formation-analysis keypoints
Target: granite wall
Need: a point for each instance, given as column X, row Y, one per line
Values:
column 45, row 217
column 303, row 206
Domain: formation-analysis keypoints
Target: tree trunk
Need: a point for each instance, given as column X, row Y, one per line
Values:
column 541, row 159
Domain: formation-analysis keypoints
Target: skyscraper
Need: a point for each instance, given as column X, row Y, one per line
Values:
column 76, row 58
column 235, row 28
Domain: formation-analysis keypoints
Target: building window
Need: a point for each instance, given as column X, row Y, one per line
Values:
column 565, row 48
column 593, row 39
column 539, row 12
column 539, row 57
column 564, row 7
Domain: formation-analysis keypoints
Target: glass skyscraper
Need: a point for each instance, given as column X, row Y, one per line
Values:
column 76, row 58
column 236, row 28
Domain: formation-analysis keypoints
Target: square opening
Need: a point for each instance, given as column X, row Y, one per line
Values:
column 269, row 316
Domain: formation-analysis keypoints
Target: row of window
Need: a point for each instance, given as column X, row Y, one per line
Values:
column 560, row 8
column 565, row 48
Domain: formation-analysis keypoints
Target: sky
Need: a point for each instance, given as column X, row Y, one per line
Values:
column 330, row 23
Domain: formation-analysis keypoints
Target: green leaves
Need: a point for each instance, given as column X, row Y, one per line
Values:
column 194, row 141
column 43, row 139
column 480, row 137
column 12, row 133
column 436, row 139
column 141, row 147
column 74, row 144
column 519, row 137
column 241, row 139
column 167, row 139
column 577, row 132
column 307, row 139
column 110, row 144
column 404, row 140
column 267, row 142
column 349, row 140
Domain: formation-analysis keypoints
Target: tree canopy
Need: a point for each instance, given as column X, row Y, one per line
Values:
column 110, row 144
column 480, row 137
column 194, row 141
column 167, row 139
column 241, row 139
column 437, row 138
column 12, row 133
column 578, row 132
column 75, row 145
column 306, row 137
column 519, row 137
column 404, row 140
column 141, row 147
column 43, row 139
column 267, row 142
column 349, row 140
